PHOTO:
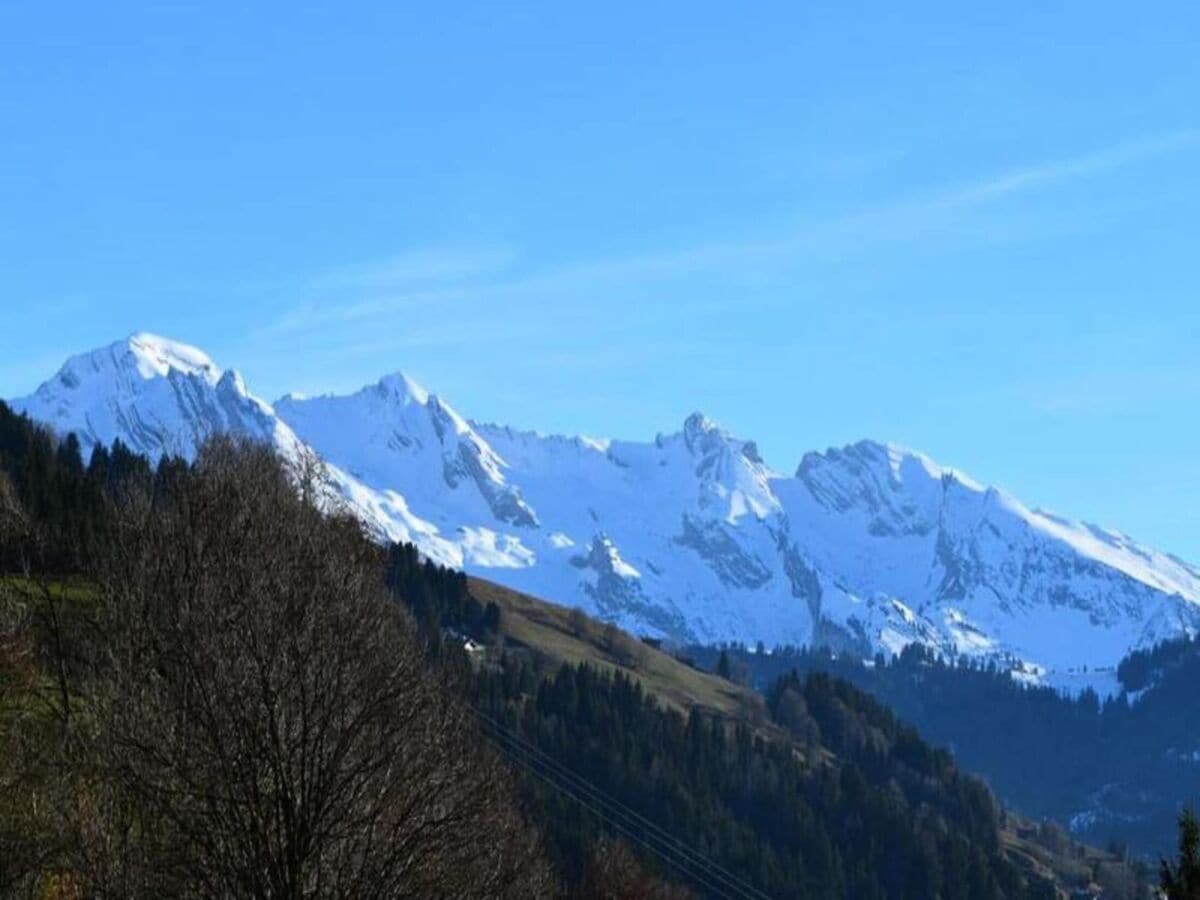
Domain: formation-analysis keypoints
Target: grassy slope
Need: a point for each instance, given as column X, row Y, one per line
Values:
column 565, row 637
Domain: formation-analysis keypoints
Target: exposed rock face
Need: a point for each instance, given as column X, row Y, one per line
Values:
column 691, row 536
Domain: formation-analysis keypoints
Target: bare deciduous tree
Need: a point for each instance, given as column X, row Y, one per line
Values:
column 265, row 723
column 16, row 850
column 33, row 785
column 614, row 873
column 13, row 525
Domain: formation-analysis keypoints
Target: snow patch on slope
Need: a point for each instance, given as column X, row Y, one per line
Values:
column 690, row 536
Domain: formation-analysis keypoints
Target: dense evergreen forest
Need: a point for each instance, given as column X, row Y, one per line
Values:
column 1116, row 771
column 208, row 688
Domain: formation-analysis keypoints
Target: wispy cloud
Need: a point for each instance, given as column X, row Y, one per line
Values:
column 416, row 278
column 1109, row 394
column 325, row 311
column 416, row 267
column 1086, row 166
column 423, row 279
column 917, row 216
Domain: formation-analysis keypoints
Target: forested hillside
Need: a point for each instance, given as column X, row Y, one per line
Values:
column 1116, row 771
column 208, row 688
column 860, row 808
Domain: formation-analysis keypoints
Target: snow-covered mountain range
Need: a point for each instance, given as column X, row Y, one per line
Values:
column 690, row 536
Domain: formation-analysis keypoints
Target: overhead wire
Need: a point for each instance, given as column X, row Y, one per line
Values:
column 668, row 848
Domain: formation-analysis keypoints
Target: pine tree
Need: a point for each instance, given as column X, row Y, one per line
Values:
column 1182, row 880
column 723, row 668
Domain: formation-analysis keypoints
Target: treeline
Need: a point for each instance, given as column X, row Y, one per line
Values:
column 438, row 597
column 61, row 496
column 1179, row 659
column 1117, row 770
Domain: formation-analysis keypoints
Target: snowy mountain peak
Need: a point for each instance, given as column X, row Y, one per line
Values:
column 158, row 356
column 231, row 382
column 704, row 437
column 883, row 460
column 886, row 480
column 692, row 535
column 140, row 357
column 157, row 395
column 396, row 434
column 699, row 424
column 400, row 387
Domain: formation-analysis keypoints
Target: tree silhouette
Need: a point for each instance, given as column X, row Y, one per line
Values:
column 723, row 667
column 262, row 719
column 1181, row 880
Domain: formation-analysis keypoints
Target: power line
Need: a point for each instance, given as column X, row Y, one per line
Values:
column 674, row 843
column 678, row 845
column 606, row 816
column 684, row 858
column 623, row 830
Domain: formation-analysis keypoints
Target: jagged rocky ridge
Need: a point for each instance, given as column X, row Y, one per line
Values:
column 691, row 536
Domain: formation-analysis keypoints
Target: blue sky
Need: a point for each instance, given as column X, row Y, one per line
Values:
column 968, row 230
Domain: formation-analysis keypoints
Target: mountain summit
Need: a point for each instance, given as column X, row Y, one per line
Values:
column 157, row 395
column 691, row 536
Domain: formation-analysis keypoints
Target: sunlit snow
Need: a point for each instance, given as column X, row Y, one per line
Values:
column 691, row 535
